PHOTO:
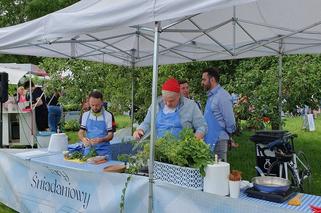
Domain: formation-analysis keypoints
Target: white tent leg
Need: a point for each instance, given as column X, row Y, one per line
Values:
column 132, row 92
column 280, row 83
column 31, row 112
column 153, row 116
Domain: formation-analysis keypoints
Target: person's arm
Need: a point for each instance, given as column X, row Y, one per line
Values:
column 37, row 95
column 82, row 131
column 144, row 126
column 199, row 123
column 226, row 107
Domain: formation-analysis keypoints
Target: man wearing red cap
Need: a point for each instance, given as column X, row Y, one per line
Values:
column 174, row 112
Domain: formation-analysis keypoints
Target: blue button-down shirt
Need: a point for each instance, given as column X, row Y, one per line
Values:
column 222, row 109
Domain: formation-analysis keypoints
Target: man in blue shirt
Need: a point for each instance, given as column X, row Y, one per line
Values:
column 218, row 113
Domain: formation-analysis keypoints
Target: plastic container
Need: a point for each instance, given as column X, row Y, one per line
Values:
column 58, row 142
column 43, row 138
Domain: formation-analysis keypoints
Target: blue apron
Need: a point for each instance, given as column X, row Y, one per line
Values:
column 214, row 127
column 169, row 122
column 97, row 129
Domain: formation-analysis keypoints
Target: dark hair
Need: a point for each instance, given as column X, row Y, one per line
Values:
column 182, row 81
column 213, row 72
column 96, row 94
column 27, row 84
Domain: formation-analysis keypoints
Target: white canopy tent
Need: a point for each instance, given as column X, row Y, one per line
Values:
column 14, row 75
column 153, row 32
column 121, row 32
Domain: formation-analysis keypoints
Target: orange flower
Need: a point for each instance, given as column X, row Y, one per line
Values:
column 266, row 119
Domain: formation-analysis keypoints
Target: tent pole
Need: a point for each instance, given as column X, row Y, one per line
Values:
column 31, row 111
column 280, row 82
column 234, row 29
column 132, row 92
column 153, row 116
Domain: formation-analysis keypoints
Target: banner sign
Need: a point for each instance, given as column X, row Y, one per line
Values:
column 29, row 186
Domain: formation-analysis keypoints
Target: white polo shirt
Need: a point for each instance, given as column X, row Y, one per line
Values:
column 97, row 117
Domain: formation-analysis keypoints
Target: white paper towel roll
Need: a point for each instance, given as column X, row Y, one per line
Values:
column 58, row 142
column 216, row 178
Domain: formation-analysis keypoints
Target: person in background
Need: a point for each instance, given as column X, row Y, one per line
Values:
column 174, row 112
column 54, row 111
column 218, row 113
column 184, row 88
column 39, row 104
column 21, row 95
column 96, row 126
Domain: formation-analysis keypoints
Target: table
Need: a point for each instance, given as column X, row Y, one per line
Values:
column 306, row 200
column 39, row 181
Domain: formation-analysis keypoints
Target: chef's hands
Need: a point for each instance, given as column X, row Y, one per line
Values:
column 138, row 134
column 93, row 141
column 86, row 141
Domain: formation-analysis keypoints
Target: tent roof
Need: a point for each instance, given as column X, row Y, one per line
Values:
column 17, row 71
column 14, row 75
column 121, row 32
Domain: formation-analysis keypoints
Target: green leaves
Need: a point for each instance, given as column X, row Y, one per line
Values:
column 186, row 151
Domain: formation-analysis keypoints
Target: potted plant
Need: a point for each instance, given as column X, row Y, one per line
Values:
column 234, row 183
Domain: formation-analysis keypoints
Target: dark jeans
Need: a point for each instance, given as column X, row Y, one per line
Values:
column 54, row 115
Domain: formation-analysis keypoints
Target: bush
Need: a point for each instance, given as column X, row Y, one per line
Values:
column 71, row 125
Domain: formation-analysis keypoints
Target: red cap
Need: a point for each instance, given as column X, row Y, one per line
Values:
column 171, row 85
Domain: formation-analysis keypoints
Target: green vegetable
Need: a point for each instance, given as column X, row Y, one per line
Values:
column 80, row 156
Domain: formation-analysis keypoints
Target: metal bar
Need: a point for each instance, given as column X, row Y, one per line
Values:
column 189, row 43
column 210, row 37
column 86, row 45
column 93, row 40
column 153, row 117
column 170, row 50
column 248, row 34
column 55, row 51
column 301, row 48
column 280, row 82
column 234, row 29
column 144, row 29
column 281, row 37
column 128, row 54
column 276, row 27
column 133, row 87
column 178, row 22
column 1, row 124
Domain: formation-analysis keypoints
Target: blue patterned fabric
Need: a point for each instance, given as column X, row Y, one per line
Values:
column 181, row 176
column 306, row 200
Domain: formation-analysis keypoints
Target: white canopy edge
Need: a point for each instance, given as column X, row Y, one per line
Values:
column 14, row 75
column 121, row 32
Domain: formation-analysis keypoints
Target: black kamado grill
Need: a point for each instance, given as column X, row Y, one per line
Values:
column 264, row 156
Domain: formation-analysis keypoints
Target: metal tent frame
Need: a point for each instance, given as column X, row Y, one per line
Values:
column 194, row 41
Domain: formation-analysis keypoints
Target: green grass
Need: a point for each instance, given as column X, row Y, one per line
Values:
column 244, row 158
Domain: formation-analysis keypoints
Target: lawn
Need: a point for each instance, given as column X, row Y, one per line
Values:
column 243, row 157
